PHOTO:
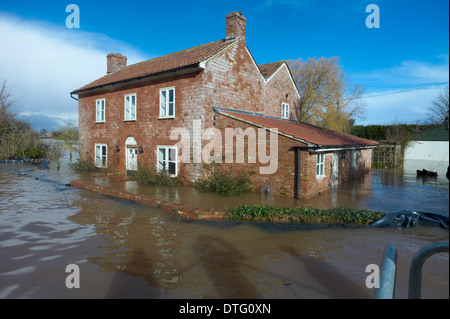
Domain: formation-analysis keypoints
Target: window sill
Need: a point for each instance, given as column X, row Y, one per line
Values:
column 166, row 118
column 99, row 122
column 320, row 176
column 130, row 120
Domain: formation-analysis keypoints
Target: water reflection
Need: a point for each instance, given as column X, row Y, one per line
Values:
column 332, row 282
column 128, row 250
column 389, row 190
column 223, row 264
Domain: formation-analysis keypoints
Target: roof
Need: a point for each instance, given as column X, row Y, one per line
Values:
column 438, row 134
column 169, row 62
column 312, row 135
column 269, row 68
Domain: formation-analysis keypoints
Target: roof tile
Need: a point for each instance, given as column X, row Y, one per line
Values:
column 269, row 68
column 305, row 132
column 157, row 65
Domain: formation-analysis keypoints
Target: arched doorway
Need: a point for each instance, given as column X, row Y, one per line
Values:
column 131, row 154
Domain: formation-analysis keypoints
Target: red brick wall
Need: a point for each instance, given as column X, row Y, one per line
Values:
column 277, row 88
column 148, row 130
column 282, row 181
column 231, row 79
column 363, row 164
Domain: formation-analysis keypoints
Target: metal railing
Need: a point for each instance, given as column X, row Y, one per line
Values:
column 387, row 274
column 389, row 270
column 415, row 272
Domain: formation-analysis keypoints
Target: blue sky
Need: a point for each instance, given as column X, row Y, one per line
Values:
column 403, row 64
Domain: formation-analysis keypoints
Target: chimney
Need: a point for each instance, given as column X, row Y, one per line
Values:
column 115, row 62
column 236, row 26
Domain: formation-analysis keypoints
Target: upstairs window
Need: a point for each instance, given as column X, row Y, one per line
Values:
column 100, row 110
column 320, row 168
column 101, row 158
column 167, row 103
column 285, row 111
column 130, row 107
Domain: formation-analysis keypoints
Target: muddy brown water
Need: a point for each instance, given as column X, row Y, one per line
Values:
column 129, row 250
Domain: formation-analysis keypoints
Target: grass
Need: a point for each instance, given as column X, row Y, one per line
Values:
column 304, row 215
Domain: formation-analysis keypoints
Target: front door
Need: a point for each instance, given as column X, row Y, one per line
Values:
column 131, row 158
column 335, row 169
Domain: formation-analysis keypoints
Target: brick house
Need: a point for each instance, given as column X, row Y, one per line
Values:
column 142, row 113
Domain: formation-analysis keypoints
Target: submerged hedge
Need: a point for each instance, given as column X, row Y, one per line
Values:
column 304, row 215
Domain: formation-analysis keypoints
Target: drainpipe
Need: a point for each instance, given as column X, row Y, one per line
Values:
column 297, row 174
column 73, row 97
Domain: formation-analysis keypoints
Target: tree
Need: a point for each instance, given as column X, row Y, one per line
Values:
column 16, row 136
column 7, row 115
column 326, row 97
column 69, row 134
column 438, row 112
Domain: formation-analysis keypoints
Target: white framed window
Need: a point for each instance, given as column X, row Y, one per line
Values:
column 167, row 103
column 101, row 156
column 167, row 159
column 100, row 110
column 130, row 107
column 320, row 167
column 285, row 110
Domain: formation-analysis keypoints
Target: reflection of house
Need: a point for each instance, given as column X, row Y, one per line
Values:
column 429, row 145
column 128, row 115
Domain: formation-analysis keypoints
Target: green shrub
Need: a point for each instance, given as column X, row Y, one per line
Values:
column 84, row 166
column 225, row 183
column 304, row 215
column 153, row 177
column 34, row 152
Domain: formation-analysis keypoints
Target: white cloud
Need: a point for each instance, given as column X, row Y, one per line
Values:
column 404, row 92
column 408, row 73
column 407, row 107
column 43, row 63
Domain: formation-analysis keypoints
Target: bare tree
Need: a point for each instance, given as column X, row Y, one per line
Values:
column 54, row 153
column 16, row 135
column 7, row 104
column 69, row 134
column 438, row 112
column 326, row 97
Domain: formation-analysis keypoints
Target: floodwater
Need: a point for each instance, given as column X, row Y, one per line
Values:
column 129, row 250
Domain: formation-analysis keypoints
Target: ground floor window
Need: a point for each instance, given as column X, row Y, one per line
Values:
column 167, row 159
column 320, row 171
column 101, row 155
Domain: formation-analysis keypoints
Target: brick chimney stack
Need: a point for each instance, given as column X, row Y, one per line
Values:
column 115, row 62
column 236, row 23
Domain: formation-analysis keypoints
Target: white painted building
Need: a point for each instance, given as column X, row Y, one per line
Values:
column 430, row 145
